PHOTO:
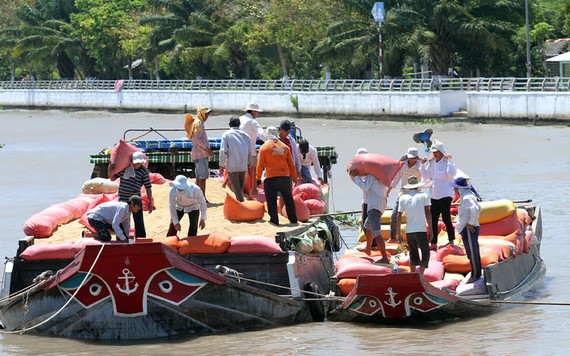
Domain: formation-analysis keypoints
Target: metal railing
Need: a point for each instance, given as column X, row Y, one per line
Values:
column 549, row 84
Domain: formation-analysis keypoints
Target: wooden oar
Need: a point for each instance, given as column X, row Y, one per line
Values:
column 339, row 213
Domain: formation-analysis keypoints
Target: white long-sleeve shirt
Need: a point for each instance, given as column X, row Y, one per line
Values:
column 188, row 199
column 251, row 127
column 312, row 157
column 441, row 173
column 235, row 150
column 114, row 213
column 468, row 210
column 374, row 192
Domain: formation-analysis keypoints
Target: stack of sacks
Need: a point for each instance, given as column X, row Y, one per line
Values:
column 220, row 242
column 43, row 224
column 308, row 201
column 434, row 272
column 350, row 266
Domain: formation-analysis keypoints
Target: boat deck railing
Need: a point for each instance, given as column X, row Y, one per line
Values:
column 506, row 84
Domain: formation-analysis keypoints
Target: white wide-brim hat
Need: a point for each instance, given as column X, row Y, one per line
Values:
column 413, row 183
column 180, row 182
column 437, row 146
column 412, row 152
column 272, row 133
column 253, row 107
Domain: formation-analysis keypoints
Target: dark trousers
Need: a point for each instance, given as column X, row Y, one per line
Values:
column 102, row 229
column 394, row 220
column 471, row 243
column 193, row 216
column 237, row 183
column 441, row 206
column 139, row 224
column 418, row 240
column 272, row 187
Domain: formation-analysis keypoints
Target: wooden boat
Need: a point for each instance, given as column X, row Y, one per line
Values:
column 406, row 298
column 147, row 290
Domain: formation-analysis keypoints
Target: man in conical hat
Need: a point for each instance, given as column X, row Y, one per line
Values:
column 201, row 151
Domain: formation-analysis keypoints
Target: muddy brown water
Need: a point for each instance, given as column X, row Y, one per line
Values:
column 45, row 160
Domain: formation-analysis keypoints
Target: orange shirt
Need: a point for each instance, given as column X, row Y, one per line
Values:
column 276, row 159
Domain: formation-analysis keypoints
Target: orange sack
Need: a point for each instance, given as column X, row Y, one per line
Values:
column 303, row 213
column 216, row 242
column 346, row 285
column 242, row 211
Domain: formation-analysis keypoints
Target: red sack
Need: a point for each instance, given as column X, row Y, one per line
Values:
column 307, row 191
column 253, row 244
column 315, row 206
column 303, row 213
column 121, row 156
column 382, row 167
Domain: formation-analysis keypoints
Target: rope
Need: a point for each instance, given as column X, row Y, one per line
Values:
column 66, row 303
column 282, row 287
column 527, row 302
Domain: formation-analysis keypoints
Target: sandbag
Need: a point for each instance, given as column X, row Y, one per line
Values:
column 346, row 285
column 524, row 219
column 504, row 226
column 249, row 210
column 434, row 271
column 156, row 178
column 315, row 206
column 216, row 242
column 170, row 241
column 515, row 239
column 449, row 250
column 446, row 283
column 39, row 226
column 303, row 213
column 460, row 264
column 307, row 191
column 354, row 267
column 121, row 156
column 253, row 244
column 495, row 210
column 99, row 185
column 79, row 205
column 49, row 251
column 382, row 167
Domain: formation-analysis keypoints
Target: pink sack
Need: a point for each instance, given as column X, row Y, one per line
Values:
column 449, row 250
column 315, row 206
column 307, row 191
column 382, row 167
column 504, row 226
column 435, row 271
column 121, row 156
column 303, row 213
column 157, row 178
column 446, row 283
column 253, row 244
column 40, row 225
column 49, row 251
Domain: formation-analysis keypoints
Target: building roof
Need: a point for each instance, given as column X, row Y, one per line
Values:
column 564, row 57
column 554, row 47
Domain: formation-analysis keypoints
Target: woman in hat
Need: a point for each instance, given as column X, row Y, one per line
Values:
column 186, row 198
column 201, row 151
column 467, row 224
column 441, row 170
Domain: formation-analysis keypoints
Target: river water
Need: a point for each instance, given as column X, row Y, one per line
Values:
column 45, row 160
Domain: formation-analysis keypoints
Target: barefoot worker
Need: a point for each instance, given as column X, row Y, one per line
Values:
column 374, row 194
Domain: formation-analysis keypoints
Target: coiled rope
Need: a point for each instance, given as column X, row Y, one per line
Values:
column 21, row 331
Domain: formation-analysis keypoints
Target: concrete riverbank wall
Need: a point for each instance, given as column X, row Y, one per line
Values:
column 475, row 105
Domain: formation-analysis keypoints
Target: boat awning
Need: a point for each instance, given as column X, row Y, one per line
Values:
column 564, row 57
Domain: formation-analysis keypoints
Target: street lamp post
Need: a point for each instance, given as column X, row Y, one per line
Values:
column 528, row 63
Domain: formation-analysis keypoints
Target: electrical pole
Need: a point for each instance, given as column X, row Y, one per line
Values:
column 380, row 55
column 528, row 63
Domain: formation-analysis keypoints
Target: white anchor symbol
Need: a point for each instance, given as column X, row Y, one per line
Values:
column 392, row 302
column 127, row 277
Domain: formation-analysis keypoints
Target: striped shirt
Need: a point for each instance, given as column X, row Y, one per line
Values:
column 132, row 186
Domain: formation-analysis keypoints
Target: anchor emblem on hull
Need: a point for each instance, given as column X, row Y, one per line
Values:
column 126, row 288
column 392, row 302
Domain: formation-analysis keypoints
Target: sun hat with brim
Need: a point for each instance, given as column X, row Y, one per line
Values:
column 253, row 107
column 138, row 157
column 272, row 133
column 437, row 146
column 137, row 200
column 413, row 183
column 412, row 152
column 460, row 183
column 180, row 182
column 361, row 150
